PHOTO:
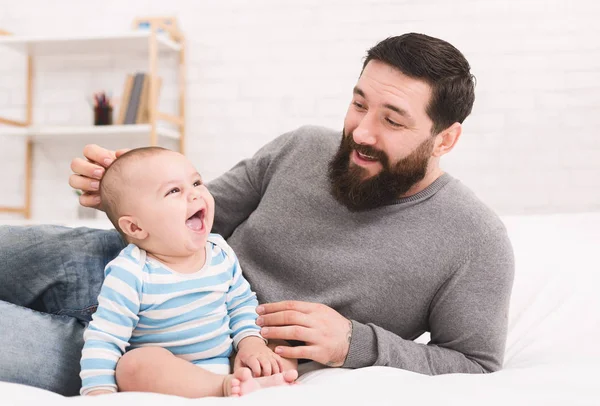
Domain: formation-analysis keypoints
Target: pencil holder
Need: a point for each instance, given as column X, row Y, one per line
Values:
column 103, row 115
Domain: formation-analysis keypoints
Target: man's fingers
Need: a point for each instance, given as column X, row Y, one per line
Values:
column 90, row 200
column 84, row 184
column 102, row 156
column 304, row 351
column 285, row 318
column 297, row 333
column 87, row 169
column 88, row 173
column 121, row 152
column 303, row 307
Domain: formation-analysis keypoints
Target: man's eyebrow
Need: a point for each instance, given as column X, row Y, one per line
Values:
column 357, row 90
column 398, row 110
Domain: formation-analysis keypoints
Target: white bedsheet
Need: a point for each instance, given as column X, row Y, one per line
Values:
column 551, row 356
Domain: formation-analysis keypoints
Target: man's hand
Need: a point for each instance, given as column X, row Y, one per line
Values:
column 326, row 332
column 254, row 354
column 88, row 173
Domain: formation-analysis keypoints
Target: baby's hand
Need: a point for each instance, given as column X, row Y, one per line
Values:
column 254, row 354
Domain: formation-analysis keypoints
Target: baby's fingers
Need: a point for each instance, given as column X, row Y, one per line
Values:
column 265, row 364
column 275, row 367
column 254, row 366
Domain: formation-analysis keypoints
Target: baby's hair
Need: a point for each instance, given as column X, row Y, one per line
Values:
column 115, row 182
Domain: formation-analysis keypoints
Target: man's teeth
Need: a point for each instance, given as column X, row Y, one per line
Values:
column 366, row 156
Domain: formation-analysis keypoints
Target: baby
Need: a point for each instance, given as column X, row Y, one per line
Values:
column 175, row 298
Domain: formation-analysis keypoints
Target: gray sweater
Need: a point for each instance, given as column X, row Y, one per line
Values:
column 438, row 261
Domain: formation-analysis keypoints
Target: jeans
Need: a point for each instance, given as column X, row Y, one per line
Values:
column 50, row 278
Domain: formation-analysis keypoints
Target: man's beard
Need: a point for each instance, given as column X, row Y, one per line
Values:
column 348, row 183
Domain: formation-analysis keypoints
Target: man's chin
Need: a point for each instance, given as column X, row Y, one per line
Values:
column 364, row 173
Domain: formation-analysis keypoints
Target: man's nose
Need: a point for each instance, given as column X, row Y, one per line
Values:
column 365, row 132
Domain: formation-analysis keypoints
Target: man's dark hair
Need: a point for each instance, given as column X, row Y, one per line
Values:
column 443, row 67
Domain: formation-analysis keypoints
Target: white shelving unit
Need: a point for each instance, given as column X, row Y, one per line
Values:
column 162, row 37
column 44, row 133
column 130, row 42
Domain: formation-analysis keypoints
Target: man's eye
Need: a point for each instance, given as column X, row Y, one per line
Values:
column 174, row 190
column 358, row 105
column 393, row 123
column 197, row 183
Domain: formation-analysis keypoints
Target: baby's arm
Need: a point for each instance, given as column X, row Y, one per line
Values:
column 241, row 306
column 252, row 349
column 108, row 334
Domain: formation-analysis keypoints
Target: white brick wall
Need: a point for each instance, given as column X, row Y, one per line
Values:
column 259, row 68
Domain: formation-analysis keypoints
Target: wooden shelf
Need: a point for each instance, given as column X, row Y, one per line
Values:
column 134, row 42
column 162, row 37
column 54, row 132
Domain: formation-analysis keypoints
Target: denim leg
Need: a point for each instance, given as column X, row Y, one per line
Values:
column 49, row 269
column 40, row 349
column 53, row 269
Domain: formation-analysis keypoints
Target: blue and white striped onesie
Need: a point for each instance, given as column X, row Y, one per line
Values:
column 196, row 316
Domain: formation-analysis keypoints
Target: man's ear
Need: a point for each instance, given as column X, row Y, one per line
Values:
column 447, row 139
column 131, row 227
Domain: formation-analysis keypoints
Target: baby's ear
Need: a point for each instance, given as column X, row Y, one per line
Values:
column 130, row 226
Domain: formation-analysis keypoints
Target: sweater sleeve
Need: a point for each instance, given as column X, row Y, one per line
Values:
column 237, row 193
column 468, row 319
column 107, row 336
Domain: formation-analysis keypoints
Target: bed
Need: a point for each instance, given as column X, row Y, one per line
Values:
column 551, row 353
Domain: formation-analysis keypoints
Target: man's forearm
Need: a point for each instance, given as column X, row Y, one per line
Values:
column 374, row 346
column 468, row 320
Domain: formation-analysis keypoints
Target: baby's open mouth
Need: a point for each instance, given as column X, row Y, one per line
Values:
column 196, row 221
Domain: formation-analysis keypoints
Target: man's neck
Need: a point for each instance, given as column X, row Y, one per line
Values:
column 429, row 178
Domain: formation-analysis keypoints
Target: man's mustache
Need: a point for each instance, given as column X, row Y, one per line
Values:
column 366, row 150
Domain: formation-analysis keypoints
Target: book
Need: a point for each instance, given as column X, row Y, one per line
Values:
column 134, row 100
column 143, row 116
column 125, row 99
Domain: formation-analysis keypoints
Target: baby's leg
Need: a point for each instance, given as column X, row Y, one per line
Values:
column 242, row 382
column 155, row 369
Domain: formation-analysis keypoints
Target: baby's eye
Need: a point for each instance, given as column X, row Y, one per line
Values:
column 174, row 190
column 197, row 183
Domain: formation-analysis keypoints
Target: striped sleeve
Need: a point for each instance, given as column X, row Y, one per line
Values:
column 107, row 336
column 241, row 305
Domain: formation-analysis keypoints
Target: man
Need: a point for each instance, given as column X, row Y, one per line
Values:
column 355, row 243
